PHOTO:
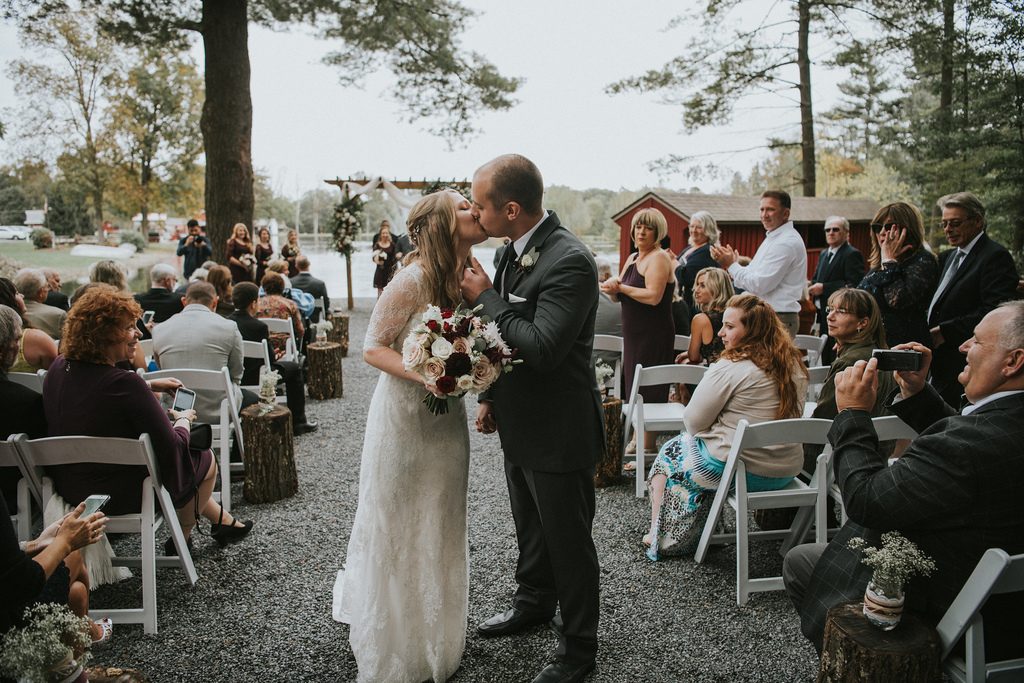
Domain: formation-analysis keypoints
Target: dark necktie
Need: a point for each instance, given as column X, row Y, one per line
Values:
column 947, row 277
column 506, row 276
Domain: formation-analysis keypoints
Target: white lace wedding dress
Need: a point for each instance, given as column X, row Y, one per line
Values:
column 404, row 586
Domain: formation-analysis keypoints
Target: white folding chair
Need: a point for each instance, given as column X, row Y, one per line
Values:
column 612, row 343
column 261, row 351
column 681, row 343
column 996, row 573
column 814, row 346
column 29, row 487
column 32, row 380
column 226, row 426
column 157, row 508
column 320, row 305
column 816, row 377
column 655, row 417
column 733, row 490
column 280, row 326
column 146, row 345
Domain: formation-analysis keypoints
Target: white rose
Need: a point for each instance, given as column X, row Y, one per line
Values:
column 413, row 353
column 465, row 383
column 441, row 348
column 526, row 261
column 432, row 313
column 433, row 369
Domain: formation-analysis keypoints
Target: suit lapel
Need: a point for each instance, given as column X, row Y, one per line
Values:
column 536, row 242
column 968, row 262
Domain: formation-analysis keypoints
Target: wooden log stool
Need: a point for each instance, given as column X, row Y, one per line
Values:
column 269, row 453
column 609, row 469
column 323, row 377
column 339, row 332
column 854, row 650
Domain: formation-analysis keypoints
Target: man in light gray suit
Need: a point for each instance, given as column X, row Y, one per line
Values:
column 199, row 339
column 31, row 283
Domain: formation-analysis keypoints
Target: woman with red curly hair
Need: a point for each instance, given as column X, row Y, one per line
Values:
column 759, row 377
column 86, row 394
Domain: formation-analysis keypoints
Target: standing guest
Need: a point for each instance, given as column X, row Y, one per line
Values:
column 500, row 251
column 697, row 256
column 903, row 273
column 36, row 349
column 263, row 251
column 384, row 250
column 198, row 275
column 245, row 300
column 978, row 274
column 276, row 305
column 161, row 298
column 87, row 395
column 194, row 247
column 110, row 273
column 311, row 285
column 759, row 377
column 31, row 284
column 644, row 289
column 712, row 290
column 55, row 297
column 239, row 251
column 220, row 278
column 290, row 252
column 841, row 265
column 778, row 271
column 404, row 248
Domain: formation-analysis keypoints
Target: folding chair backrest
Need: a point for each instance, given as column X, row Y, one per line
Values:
column 668, row 374
column 321, row 306
column 32, row 380
column 890, row 428
column 812, row 345
column 10, row 456
column 681, row 343
column 607, row 342
column 257, row 350
column 777, row 432
column 817, row 374
column 146, row 345
column 281, row 326
column 70, row 450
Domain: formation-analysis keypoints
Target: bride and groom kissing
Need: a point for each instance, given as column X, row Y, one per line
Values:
column 404, row 586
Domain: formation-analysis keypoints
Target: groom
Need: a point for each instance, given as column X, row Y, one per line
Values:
column 547, row 411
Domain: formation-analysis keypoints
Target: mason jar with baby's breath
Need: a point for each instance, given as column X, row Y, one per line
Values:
column 894, row 563
column 268, row 388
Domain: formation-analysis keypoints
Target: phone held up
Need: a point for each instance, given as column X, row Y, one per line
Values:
column 95, row 503
column 147, row 316
column 184, row 399
column 889, row 360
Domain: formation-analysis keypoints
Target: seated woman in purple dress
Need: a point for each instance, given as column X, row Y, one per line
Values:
column 86, row 394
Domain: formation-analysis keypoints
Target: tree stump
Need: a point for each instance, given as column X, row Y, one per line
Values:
column 269, row 454
column 324, row 378
column 854, row 650
column 609, row 470
column 339, row 333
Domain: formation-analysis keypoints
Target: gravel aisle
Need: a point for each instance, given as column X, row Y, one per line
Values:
column 261, row 608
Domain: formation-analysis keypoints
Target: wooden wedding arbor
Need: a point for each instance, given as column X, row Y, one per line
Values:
column 392, row 188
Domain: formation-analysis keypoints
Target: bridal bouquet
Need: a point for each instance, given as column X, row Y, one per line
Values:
column 458, row 351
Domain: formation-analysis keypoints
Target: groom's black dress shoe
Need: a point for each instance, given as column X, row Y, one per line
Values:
column 512, row 621
column 560, row 671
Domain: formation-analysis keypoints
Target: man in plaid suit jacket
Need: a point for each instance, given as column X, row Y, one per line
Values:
column 956, row 491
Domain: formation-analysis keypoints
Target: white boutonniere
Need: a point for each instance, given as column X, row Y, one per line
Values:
column 527, row 261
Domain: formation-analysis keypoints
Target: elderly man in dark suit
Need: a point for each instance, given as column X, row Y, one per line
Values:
column 955, row 492
column 841, row 265
column 310, row 285
column 547, row 413
column 161, row 297
column 977, row 275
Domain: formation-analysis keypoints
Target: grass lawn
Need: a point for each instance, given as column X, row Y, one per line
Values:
column 70, row 267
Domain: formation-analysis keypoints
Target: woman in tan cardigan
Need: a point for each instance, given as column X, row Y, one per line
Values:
column 759, row 377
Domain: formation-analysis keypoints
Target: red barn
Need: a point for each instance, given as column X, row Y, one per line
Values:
column 739, row 221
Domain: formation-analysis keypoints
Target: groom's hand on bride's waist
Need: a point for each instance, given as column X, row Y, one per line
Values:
column 475, row 281
column 485, row 423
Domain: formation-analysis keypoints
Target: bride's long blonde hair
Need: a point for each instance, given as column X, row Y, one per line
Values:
column 431, row 226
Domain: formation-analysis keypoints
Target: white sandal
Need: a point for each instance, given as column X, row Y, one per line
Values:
column 107, row 632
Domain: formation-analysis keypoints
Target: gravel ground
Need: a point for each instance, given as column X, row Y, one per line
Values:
column 261, row 608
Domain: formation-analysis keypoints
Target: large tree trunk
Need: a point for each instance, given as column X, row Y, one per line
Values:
column 803, row 59
column 227, row 120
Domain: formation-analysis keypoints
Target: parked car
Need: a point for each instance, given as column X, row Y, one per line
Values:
column 13, row 232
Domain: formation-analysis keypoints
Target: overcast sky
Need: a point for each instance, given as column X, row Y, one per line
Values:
column 306, row 127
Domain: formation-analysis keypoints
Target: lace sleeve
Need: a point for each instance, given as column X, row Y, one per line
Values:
column 401, row 300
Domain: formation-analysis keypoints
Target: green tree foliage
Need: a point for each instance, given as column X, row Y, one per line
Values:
column 270, row 203
column 69, row 213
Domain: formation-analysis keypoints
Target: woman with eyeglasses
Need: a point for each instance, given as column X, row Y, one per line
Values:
column 903, row 274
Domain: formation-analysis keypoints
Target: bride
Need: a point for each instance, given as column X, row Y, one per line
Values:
column 404, row 588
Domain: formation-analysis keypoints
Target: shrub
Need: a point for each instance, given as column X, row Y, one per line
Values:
column 41, row 238
column 134, row 238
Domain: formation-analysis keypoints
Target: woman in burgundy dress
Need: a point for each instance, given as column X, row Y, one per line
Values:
column 645, row 290
column 385, row 250
column 239, row 251
column 264, row 251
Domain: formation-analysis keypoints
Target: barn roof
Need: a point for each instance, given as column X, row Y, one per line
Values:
column 732, row 209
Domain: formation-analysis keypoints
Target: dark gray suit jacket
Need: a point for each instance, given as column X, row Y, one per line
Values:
column 955, row 492
column 846, row 269
column 314, row 287
column 548, row 409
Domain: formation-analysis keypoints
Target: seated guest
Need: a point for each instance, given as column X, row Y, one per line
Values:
column 712, row 290
column 199, row 339
column 275, row 305
column 36, row 349
column 55, row 297
column 245, row 297
column 85, row 394
column 279, row 266
column 31, row 284
column 955, row 491
column 311, row 285
column 198, row 275
column 49, row 569
column 111, row 273
column 220, row 278
column 161, row 298
column 760, row 377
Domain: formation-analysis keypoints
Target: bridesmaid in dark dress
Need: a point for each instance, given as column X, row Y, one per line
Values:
column 384, row 248
column 264, row 251
column 290, row 251
column 903, row 274
column 239, row 251
column 645, row 291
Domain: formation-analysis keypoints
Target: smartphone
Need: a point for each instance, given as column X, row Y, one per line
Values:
column 147, row 317
column 95, row 503
column 184, row 399
column 897, row 360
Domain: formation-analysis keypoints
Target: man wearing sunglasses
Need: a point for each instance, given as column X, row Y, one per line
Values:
column 841, row 265
column 977, row 275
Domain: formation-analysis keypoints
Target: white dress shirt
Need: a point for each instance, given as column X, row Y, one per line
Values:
column 778, row 270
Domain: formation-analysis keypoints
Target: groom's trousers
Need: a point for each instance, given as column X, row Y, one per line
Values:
column 554, row 514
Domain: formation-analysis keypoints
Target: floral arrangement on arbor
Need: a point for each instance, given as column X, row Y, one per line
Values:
column 52, row 645
column 348, row 219
column 438, row 185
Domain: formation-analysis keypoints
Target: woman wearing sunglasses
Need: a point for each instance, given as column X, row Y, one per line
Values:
column 903, row 274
